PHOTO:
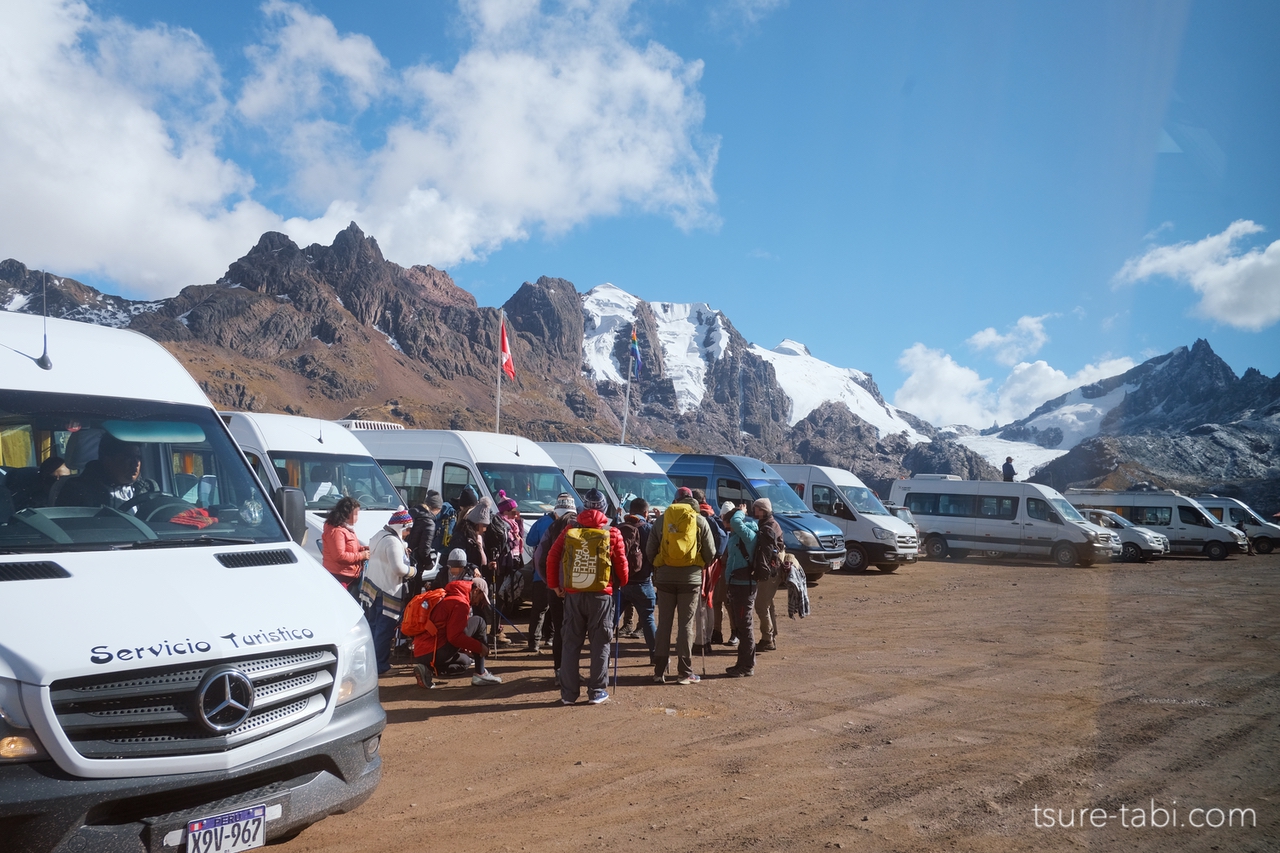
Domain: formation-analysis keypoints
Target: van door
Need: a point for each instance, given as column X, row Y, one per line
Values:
column 1038, row 531
column 1193, row 529
column 997, row 527
column 585, row 481
column 1160, row 519
column 827, row 502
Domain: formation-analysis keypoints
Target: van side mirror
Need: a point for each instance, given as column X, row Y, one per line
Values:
column 293, row 508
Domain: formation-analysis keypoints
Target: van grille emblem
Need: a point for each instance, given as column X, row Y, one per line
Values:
column 224, row 699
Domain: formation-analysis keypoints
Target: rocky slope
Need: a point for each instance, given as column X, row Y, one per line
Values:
column 336, row 331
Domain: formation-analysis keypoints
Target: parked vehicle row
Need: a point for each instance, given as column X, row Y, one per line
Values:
column 1189, row 528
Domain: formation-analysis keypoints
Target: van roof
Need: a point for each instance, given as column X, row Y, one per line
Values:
column 491, row 447
column 301, row 435
column 98, row 361
column 838, row 476
column 610, row 457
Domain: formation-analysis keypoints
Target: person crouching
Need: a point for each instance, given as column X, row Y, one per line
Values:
column 457, row 643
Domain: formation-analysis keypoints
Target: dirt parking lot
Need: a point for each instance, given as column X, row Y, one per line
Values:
column 950, row 706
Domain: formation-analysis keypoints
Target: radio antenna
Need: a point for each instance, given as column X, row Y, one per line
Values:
column 43, row 361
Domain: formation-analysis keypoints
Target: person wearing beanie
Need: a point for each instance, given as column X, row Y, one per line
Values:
column 767, row 525
column 741, row 586
column 423, row 535
column 677, row 578
column 541, row 629
column 467, row 498
column 382, row 592
column 762, row 507
column 510, row 581
column 720, row 593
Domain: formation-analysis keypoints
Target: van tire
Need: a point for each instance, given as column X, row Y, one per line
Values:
column 1131, row 553
column 855, row 558
column 887, row 567
column 1215, row 551
column 1263, row 545
column 935, row 547
column 1064, row 554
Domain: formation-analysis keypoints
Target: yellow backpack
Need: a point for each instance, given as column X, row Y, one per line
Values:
column 585, row 565
column 679, row 546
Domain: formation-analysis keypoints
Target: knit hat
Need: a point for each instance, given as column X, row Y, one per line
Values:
column 400, row 517
column 505, row 503
column 764, row 504
column 481, row 513
column 684, row 492
column 564, row 505
column 727, row 507
column 594, row 499
column 457, row 557
column 433, row 500
column 466, row 498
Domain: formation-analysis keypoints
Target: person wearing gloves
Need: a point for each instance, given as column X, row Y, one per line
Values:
column 382, row 593
column 741, row 585
column 583, row 566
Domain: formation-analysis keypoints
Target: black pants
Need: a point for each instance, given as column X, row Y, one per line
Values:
column 742, row 601
column 539, row 603
column 555, row 616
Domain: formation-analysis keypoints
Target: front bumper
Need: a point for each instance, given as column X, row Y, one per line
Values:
column 335, row 770
column 818, row 563
column 878, row 552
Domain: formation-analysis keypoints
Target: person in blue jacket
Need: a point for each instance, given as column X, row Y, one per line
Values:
column 742, row 587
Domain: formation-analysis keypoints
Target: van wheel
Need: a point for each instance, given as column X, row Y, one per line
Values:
column 1130, row 553
column 1065, row 555
column 855, row 558
column 935, row 547
column 1263, row 545
column 1215, row 551
column 887, row 567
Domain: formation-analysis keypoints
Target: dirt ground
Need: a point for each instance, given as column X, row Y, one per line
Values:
column 943, row 707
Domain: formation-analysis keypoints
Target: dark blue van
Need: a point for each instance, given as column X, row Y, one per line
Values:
column 816, row 543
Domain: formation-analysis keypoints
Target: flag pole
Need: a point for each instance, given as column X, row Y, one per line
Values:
column 626, row 403
column 497, row 417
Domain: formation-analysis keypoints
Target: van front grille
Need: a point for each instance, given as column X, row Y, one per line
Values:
column 156, row 712
column 831, row 543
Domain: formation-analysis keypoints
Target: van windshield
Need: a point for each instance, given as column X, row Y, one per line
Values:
column 656, row 489
column 326, row 477
column 533, row 488
column 96, row 473
column 863, row 500
column 782, row 496
column 1066, row 510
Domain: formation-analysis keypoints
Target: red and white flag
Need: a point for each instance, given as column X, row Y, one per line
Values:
column 508, row 366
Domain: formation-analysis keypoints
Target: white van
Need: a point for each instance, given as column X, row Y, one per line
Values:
column 1264, row 534
column 1189, row 528
column 872, row 534
column 174, row 668
column 958, row 516
column 324, row 460
column 622, row 473
column 1137, row 544
column 450, row 460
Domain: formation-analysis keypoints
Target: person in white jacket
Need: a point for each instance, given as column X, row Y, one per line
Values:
column 382, row 593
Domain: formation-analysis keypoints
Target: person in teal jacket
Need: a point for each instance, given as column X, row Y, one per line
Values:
column 742, row 587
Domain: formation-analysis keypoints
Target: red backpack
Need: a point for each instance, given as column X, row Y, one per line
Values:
column 417, row 613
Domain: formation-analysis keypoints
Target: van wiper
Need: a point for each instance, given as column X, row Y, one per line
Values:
column 180, row 543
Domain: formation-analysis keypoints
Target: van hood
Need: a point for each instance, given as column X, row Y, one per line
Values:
column 890, row 522
column 128, row 610
column 812, row 522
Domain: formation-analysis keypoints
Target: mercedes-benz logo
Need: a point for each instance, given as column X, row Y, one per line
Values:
column 224, row 699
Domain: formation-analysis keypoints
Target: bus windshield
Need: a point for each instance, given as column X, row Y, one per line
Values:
column 533, row 488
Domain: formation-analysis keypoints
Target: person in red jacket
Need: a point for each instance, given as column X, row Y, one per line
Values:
column 458, row 639
column 574, row 571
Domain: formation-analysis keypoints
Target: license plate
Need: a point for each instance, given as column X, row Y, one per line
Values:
column 228, row 833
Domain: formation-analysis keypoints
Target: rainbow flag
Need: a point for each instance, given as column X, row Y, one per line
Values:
column 635, row 351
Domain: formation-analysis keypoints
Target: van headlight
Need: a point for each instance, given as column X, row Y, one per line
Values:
column 358, row 665
column 805, row 539
column 18, row 742
column 881, row 533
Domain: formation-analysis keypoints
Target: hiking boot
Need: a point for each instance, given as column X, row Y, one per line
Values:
column 598, row 698
column 659, row 678
column 566, row 702
column 503, row 640
column 736, row 672
column 633, row 634
column 691, row 678
column 717, row 639
column 556, row 677
column 532, row 648
column 766, row 646
column 423, row 676
column 485, row 677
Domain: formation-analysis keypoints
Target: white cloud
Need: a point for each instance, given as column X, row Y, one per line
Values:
column 944, row 392
column 110, row 163
column 1026, row 338
column 1239, row 289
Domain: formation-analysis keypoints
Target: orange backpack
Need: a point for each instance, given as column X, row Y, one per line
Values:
column 417, row 613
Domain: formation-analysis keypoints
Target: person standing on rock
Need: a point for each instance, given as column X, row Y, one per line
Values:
column 1009, row 473
column 679, row 546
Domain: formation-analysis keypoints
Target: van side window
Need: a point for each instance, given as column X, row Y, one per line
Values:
column 1158, row 515
column 959, row 505
column 584, row 481
column 1188, row 515
column 1037, row 509
column 998, row 507
column 1237, row 516
column 824, row 499
column 798, row 488
column 922, row 503
column 690, row 482
column 454, row 479
column 732, row 490
column 258, row 468
column 1216, row 512
column 411, row 479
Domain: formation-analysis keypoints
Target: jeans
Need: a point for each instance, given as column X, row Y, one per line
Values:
column 742, row 599
column 588, row 617
column 719, row 604
column 644, row 599
column 765, row 612
column 383, row 628
column 675, row 602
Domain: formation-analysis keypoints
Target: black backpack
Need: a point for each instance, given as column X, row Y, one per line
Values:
column 630, row 531
column 766, row 559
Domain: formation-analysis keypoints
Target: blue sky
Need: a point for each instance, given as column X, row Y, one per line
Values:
column 982, row 204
